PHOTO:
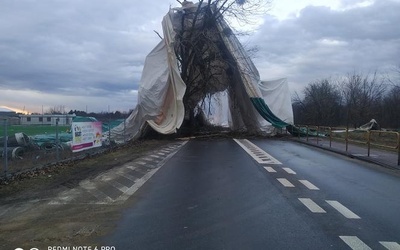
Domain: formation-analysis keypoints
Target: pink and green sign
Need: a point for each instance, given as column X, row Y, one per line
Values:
column 86, row 135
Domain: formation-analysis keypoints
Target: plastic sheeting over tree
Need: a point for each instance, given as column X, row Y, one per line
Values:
column 200, row 65
column 371, row 125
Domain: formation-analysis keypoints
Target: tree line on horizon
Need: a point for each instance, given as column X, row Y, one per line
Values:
column 101, row 116
column 349, row 101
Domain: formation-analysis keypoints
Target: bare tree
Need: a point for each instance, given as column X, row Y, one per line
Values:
column 206, row 67
column 391, row 102
column 363, row 96
column 321, row 104
column 56, row 110
column 391, row 107
column 395, row 79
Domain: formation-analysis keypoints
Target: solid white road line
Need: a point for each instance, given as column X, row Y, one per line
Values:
column 270, row 169
column 390, row 245
column 138, row 183
column 311, row 205
column 343, row 210
column 309, row 185
column 285, row 182
column 289, row 170
column 355, row 243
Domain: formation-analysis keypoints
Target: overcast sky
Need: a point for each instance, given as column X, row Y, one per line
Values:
column 88, row 55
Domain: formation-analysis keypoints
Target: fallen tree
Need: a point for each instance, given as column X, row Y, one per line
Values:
column 198, row 61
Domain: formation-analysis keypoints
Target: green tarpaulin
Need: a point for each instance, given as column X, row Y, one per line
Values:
column 266, row 113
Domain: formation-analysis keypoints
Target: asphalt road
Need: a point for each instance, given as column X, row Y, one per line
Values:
column 280, row 195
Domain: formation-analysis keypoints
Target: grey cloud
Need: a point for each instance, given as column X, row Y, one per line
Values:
column 377, row 21
column 61, row 46
column 322, row 42
column 93, row 51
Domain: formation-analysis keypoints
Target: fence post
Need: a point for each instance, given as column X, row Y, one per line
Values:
column 398, row 149
column 5, row 151
column 330, row 137
column 298, row 133
column 317, row 134
column 347, row 139
column 307, row 133
column 57, row 144
column 124, row 131
column 109, row 132
column 369, row 142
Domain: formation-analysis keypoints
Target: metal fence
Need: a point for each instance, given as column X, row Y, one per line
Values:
column 369, row 139
column 20, row 153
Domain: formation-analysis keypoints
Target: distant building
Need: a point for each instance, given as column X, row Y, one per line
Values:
column 47, row 119
column 10, row 116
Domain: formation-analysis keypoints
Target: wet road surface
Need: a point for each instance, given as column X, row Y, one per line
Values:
column 262, row 194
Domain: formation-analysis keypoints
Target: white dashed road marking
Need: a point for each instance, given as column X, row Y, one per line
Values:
column 390, row 245
column 343, row 210
column 309, row 185
column 311, row 205
column 355, row 243
column 270, row 169
column 264, row 158
column 117, row 184
column 289, row 170
column 285, row 182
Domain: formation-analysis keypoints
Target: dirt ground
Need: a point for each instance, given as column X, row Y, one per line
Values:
column 28, row 221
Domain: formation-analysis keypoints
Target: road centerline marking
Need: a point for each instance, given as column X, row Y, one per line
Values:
column 289, row 170
column 343, row 210
column 311, row 205
column 390, row 245
column 285, row 182
column 309, row 185
column 270, row 169
column 355, row 243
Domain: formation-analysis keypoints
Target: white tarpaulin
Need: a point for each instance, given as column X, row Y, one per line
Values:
column 242, row 102
column 160, row 93
column 276, row 95
column 216, row 110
